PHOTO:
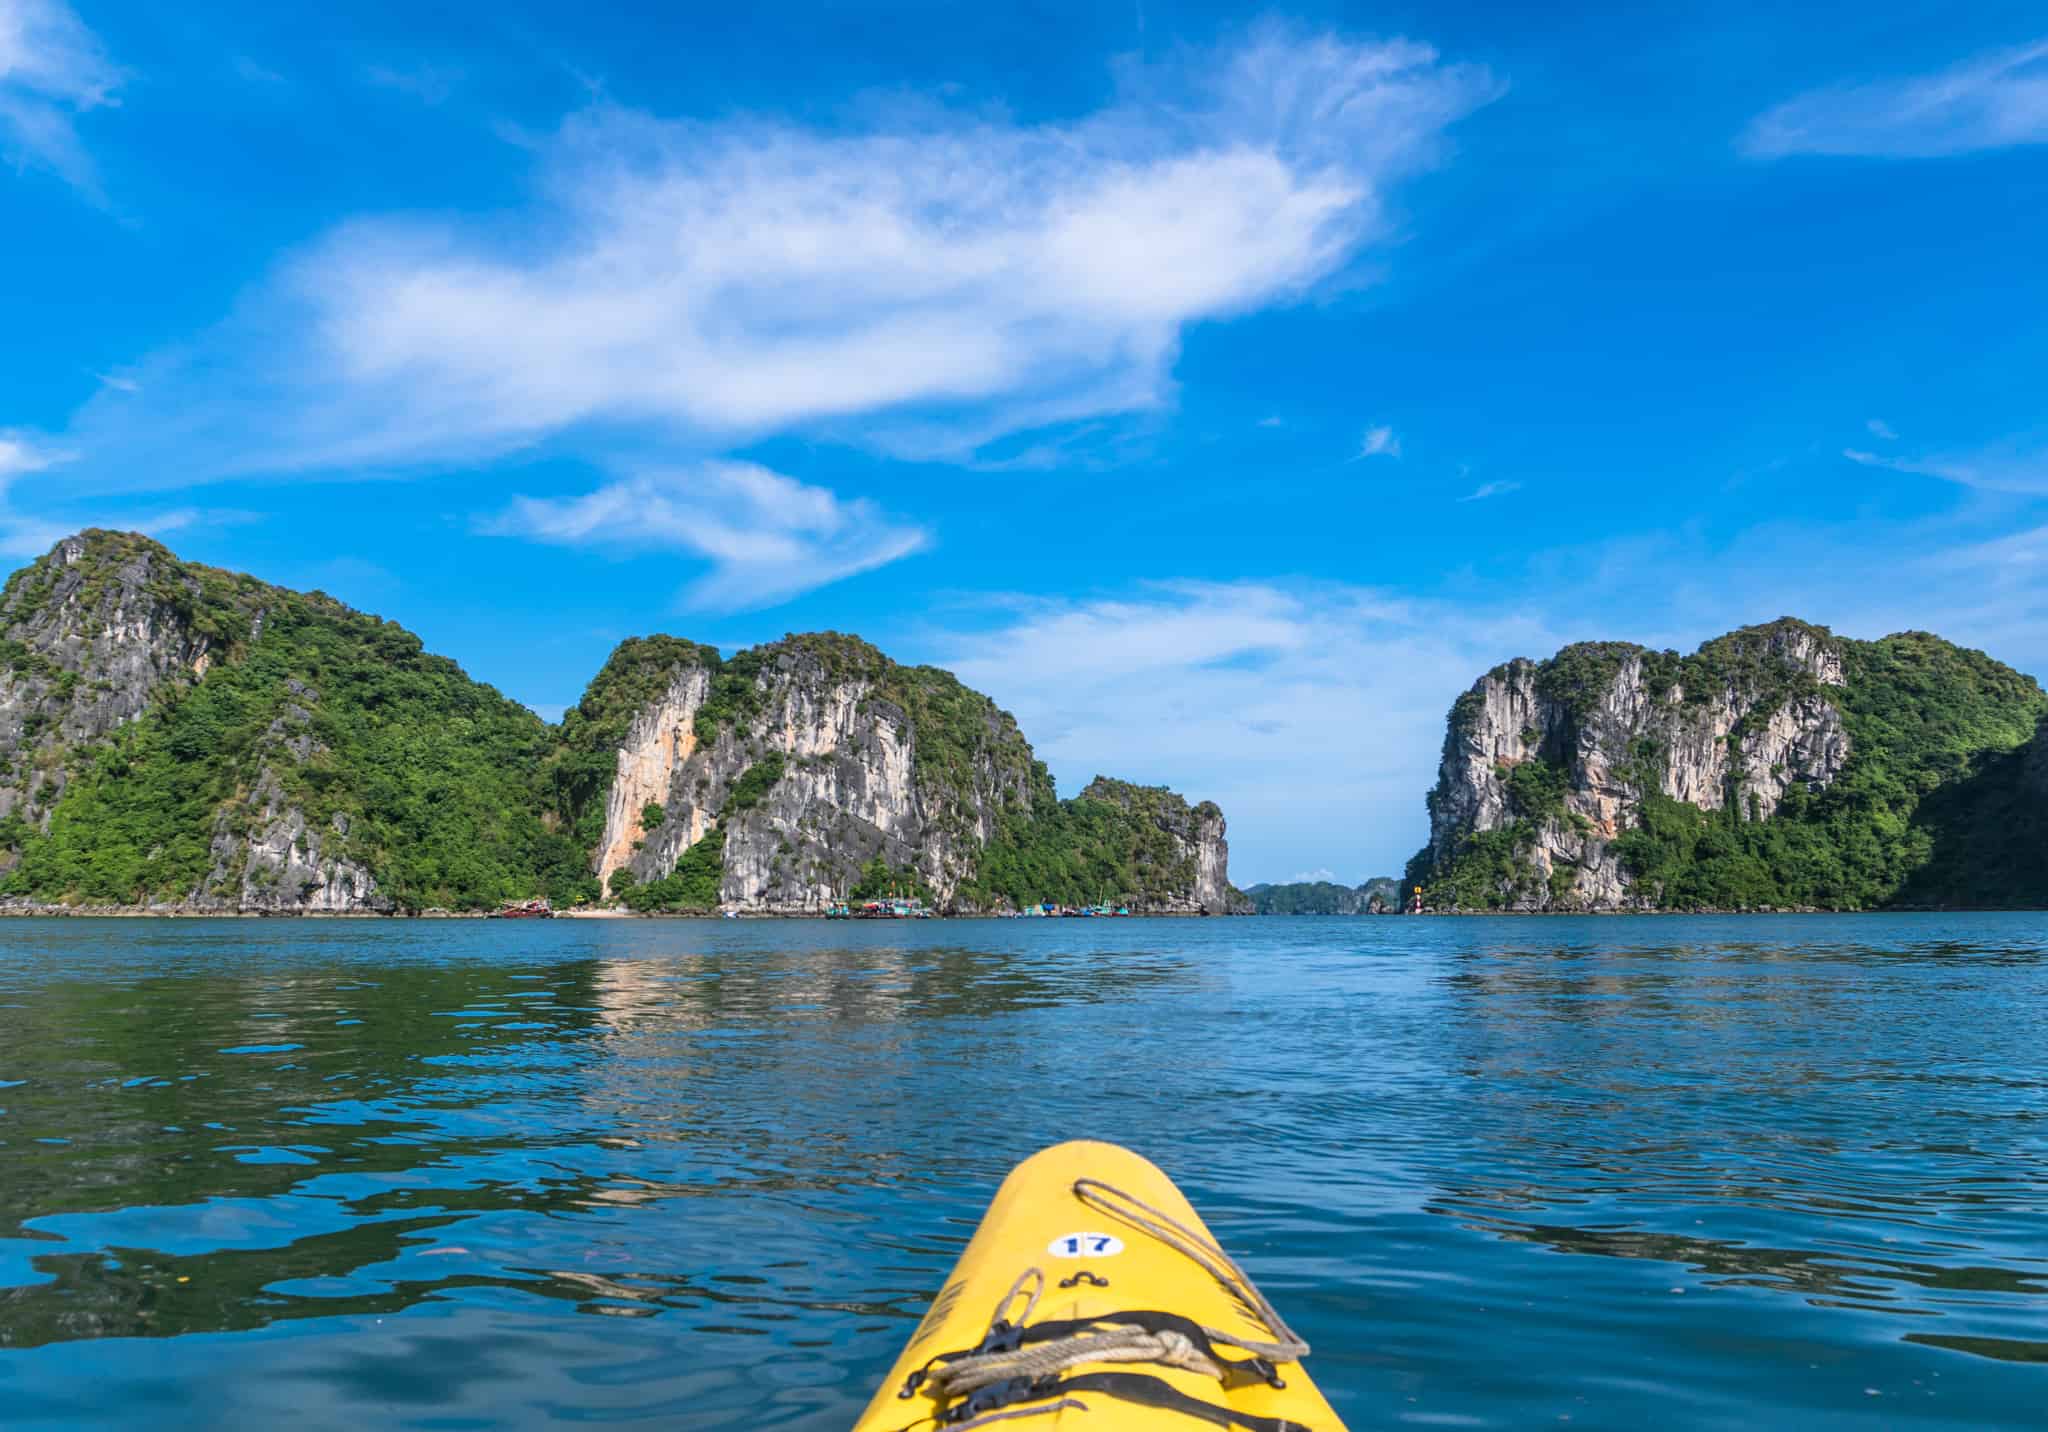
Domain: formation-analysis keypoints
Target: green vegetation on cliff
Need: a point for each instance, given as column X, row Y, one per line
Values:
column 397, row 759
column 1075, row 852
column 1114, row 841
column 1489, row 870
column 692, row 885
column 880, row 880
column 1920, row 813
column 1923, row 717
column 969, row 762
column 1990, row 832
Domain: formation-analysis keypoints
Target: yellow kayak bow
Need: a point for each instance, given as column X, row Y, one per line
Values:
column 1093, row 1298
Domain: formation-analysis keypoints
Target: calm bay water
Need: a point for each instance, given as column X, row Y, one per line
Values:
column 1627, row 1172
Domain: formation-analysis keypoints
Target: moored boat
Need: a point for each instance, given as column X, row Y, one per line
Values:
column 893, row 908
column 525, row 910
column 1092, row 1297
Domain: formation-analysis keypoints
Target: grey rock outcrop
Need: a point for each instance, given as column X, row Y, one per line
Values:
column 852, row 787
column 818, row 759
column 94, row 634
column 89, row 635
column 267, row 857
column 1601, row 725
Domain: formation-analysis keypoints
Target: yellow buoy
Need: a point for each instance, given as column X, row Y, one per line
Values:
column 1093, row 1297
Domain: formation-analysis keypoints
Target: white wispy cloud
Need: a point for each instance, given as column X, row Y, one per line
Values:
column 1988, row 101
column 1307, row 877
column 52, row 68
column 927, row 285
column 1882, row 429
column 2023, row 552
column 28, row 534
column 767, row 537
column 21, row 453
column 1229, row 692
column 1490, row 489
column 1379, row 442
column 2006, row 468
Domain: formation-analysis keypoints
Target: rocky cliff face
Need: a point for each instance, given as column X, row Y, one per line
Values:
column 1610, row 776
column 793, row 776
column 158, row 745
column 96, row 633
column 88, row 635
column 267, row 856
column 853, row 759
column 1567, row 750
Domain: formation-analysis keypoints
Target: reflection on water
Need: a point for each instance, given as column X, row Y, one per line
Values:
column 1716, row 1173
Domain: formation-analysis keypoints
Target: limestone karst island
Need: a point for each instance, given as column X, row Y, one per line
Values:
column 184, row 739
column 180, row 738
column 1779, row 767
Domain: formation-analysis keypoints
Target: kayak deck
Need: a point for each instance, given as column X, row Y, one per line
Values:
column 1077, row 1235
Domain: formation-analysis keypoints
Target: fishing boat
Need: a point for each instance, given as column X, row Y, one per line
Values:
column 893, row 908
column 525, row 910
column 1092, row 1298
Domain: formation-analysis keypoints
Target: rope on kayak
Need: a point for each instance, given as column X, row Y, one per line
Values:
column 1109, row 1341
column 1287, row 1345
column 1000, row 1317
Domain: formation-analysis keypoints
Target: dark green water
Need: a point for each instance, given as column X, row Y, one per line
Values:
column 1685, row 1174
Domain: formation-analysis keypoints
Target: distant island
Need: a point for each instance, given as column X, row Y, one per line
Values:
column 1779, row 767
column 1381, row 895
column 183, row 739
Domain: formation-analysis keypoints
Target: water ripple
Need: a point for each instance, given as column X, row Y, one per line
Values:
column 1714, row 1173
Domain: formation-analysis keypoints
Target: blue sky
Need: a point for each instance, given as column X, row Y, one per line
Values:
column 1222, row 394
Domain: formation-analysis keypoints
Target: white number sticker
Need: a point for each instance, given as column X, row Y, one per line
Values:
column 1085, row 1245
